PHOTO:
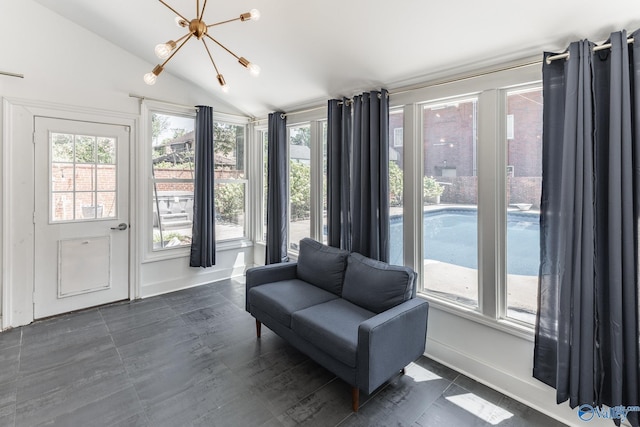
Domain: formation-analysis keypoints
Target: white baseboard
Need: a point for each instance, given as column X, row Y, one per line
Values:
column 163, row 287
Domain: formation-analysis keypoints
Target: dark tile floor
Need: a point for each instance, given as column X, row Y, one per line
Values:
column 190, row 358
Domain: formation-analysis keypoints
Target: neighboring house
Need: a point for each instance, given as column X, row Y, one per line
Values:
column 300, row 154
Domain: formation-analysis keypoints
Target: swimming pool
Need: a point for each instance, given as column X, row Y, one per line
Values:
column 451, row 236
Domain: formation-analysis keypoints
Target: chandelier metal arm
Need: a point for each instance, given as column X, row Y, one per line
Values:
column 224, row 22
column 181, row 38
column 177, row 49
column 173, row 10
column 223, row 46
column 210, row 56
column 201, row 14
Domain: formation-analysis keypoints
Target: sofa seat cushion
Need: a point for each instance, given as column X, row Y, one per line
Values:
column 333, row 327
column 280, row 299
column 375, row 285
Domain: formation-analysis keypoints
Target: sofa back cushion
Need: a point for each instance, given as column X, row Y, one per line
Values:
column 375, row 285
column 321, row 265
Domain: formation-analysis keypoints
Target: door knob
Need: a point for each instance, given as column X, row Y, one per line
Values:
column 121, row 226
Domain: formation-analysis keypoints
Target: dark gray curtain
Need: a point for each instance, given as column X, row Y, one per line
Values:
column 277, row 190
column 339, row 124
column 587, row 334
column 370, row 176
column 203, row 239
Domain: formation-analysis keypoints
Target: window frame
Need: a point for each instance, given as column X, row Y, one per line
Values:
column 490, row 88
column 153, row 180
column 246, row 234
column 505, row 137
column 315, row 122
column 144, row 205
column 433, row 104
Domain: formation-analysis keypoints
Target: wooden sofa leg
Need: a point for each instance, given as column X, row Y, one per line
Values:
column 258, row 328
column 355, row 398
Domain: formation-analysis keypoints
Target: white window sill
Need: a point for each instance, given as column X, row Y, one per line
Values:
column 515, row 328
column 184, row 252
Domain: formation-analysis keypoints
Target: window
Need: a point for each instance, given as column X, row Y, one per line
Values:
column 264, row 136
column 397, row 136
column 325, row 234
column 230, row 179
column 83, row 177
column 299, row 184
column 396, row 187
column 172, row 154
column 470, row 187
column 524, row 187
column 450, row 196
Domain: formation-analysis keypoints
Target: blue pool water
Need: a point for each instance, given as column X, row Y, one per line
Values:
column 451, row 236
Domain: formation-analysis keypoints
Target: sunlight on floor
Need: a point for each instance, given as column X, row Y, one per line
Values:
column 480, row 408
column 420, row 374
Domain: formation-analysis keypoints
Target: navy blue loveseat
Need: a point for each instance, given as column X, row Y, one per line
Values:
column 357, row 317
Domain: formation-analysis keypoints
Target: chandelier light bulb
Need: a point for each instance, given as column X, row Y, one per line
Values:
column 254, row 69
column 181, row 22
column 255, row 14
column 150, row 79
column 223, row 84
column 163, row 50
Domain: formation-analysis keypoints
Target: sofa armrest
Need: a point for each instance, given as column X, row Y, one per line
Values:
column 267, row 274
column 390, row 341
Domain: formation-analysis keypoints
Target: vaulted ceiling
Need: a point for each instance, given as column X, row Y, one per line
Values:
column 310, row 51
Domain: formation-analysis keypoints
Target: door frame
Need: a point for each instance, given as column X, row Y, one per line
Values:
column 18, row 199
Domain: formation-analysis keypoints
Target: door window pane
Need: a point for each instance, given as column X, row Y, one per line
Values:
column 450, row 192
column 81, row 168
column 524, row 187
column 299, row 184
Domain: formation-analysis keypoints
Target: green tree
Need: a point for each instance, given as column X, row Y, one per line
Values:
column 83, row 149
column 301, row 136
column 159, row 124
column 395, row 184
column 299, row 190
column 226, row 137
column 177, row 132
column 431, row 189
column 229, row 201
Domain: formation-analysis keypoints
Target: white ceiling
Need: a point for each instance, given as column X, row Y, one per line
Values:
column 310, row 51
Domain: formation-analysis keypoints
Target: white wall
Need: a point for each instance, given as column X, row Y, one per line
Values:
column 67, row 68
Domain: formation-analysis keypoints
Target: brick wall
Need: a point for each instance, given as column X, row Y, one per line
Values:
column 449, row 139
column 449, row 134
column 88, row 178
column 524, row 151
column 188, row 174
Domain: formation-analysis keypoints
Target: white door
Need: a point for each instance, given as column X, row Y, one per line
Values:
column 81, row 215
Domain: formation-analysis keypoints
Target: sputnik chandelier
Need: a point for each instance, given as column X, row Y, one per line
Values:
column 199, row 29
